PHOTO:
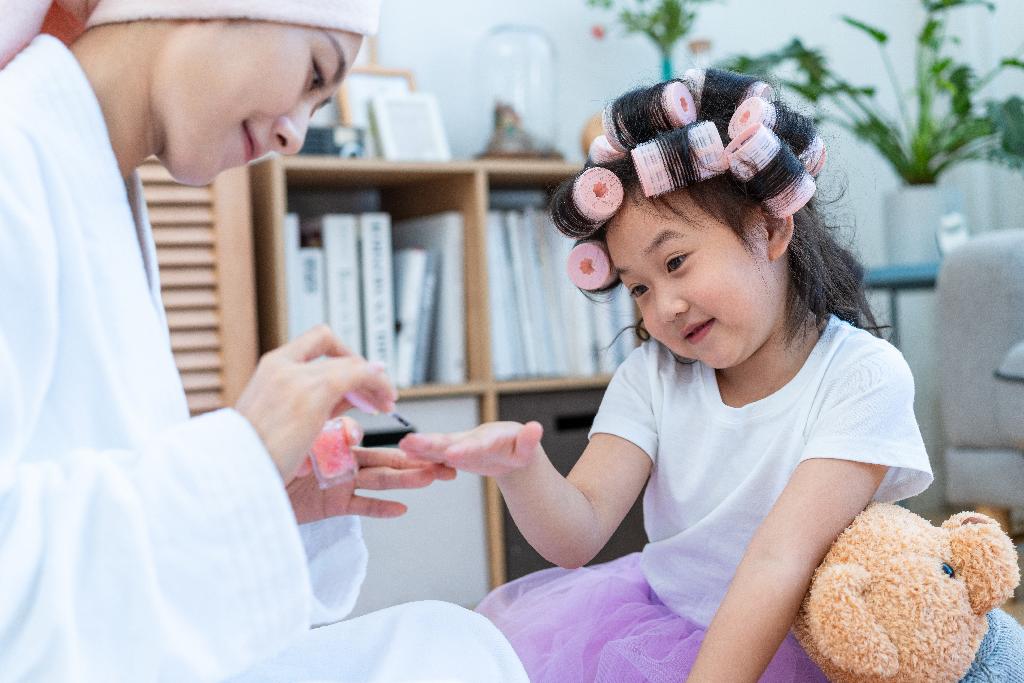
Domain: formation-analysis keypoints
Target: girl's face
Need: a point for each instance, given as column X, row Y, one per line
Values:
column 701, row 291
column 225, row 93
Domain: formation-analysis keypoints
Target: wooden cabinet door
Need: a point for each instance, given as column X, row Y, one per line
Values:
column 204, row 249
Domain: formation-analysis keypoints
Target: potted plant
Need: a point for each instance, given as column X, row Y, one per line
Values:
column 665, row 22
column 943, row 120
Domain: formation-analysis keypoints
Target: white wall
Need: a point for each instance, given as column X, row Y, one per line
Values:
column 439, row 41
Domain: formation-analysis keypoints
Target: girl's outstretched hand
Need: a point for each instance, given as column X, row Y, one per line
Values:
column 493, row 449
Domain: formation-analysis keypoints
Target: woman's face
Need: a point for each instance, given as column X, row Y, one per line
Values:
column 225, row 93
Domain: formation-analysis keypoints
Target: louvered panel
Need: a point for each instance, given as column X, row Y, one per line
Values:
column 172, row 193
column 204, row 401
column 189, row 257
column 183, row 236
column 175, row 299
column 171, row 278
column 151, row 173
column 163, row 215
column 198, row 361
column 194, row 340
column 200, row 381
column 192, row 320
column 206, row 291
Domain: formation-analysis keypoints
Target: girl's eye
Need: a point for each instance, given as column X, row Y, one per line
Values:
column 637, row 290
column 948, row 571
column 318, row 77
column 674, row 263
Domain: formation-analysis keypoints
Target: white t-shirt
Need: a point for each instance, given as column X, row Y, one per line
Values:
column 718, row 470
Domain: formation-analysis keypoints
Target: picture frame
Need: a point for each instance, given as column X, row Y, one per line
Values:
column 408, row 127
column 362, row 84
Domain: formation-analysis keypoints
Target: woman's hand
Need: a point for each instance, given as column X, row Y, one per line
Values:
column 300, row 386
column 493, row 449
column 380, row 469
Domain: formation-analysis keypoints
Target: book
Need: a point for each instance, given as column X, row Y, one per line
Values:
column 428, row 318
column 340, row 235
column 443, row 233
column 552, row 275
column 292, row 277
column 578, row 337
column 521, row 284
column 377, row 288
column 312, row 299
column 504, row 360
column 410, row 269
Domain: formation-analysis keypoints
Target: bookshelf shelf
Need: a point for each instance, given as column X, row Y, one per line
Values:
column 529, row 386
column 443, row 390
column 408, row 190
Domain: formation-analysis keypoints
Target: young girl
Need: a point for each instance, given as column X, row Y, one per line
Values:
column 759, row 412
column 137, row 544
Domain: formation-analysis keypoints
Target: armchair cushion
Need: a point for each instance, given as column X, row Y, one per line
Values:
column 1010, row 396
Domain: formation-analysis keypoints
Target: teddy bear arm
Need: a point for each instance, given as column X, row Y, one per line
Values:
column 843, row 628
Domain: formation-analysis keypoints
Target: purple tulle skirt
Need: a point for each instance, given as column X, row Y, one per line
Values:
column 604, row 623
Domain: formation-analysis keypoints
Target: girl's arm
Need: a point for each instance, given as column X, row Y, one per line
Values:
column 566, row 519
column 819, row 502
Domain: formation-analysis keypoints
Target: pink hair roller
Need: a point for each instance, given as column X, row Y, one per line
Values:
column 590, row 267
column 706, row 150
column 752, row 110
column 794, row 198
column 813, row 158
column 677, row 102
column 751, row 151
column 601, row 151
column 609, row 130
column 694, row 80
column 597, row 194
column 759, row 89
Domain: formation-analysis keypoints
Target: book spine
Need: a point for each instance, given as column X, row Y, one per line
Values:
column 428, row 316
column 341, row 263
column 378, row 288
column 312, row 298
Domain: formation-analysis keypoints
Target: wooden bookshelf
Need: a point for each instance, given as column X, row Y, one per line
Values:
column 408, row 190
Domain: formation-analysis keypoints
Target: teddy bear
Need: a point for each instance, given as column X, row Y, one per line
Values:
column 898, row 600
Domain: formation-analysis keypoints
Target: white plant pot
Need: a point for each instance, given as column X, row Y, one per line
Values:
column 918, row 218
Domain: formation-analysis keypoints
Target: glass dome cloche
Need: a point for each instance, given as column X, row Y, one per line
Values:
column 516, row 66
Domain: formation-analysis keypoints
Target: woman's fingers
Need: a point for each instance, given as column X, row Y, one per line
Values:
column 386, row 478
column 314, row 343
column 352, row 374
column 375, row 507
column 387, row 457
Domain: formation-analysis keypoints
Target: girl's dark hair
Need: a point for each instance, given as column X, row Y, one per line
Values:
column 825, row 277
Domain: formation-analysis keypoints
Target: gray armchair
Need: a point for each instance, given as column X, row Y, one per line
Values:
column 980, row 341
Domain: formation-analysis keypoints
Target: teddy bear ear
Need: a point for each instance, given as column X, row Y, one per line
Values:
column 984, row 558
column 844, row 629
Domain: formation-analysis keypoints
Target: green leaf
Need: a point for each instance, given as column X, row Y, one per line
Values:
column 1008, row 118
column 943, row 5
column 879, row 36
column 962, row 81
column 1012, row 62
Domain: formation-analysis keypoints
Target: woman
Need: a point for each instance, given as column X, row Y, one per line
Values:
column 139, row 544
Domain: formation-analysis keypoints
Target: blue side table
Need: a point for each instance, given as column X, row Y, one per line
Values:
column 898, row 277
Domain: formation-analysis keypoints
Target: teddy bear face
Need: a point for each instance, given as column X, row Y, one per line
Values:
column 899, row 600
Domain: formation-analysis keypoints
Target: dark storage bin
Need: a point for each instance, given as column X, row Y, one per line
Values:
column 567, row 417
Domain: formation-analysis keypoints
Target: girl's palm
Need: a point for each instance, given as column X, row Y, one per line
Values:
column 493, row 449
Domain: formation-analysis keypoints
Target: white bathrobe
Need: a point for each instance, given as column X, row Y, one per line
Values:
column 137, row 544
